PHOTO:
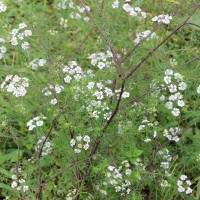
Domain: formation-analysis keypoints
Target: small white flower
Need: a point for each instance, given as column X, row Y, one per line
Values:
column 25, row 188
column 111, row 168
column 14, row 184
column 176, row 112
column 72, row 142
column 79, row 138
column 21, row 181
column 188, row 191
column 181, row 103
column 25, row 45
column 54, row 101
column 167, row 79
column 39, row 123
column 182, row 86
column 86, row 139
column 77, row 151
column 183, row 177
column 67, row 79
column 125, row 95
column 86, row 146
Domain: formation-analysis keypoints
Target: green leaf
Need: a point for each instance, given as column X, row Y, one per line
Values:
column 5, row 172
column 5, row 186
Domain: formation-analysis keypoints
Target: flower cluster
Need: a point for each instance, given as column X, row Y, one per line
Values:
column 19, row 182
column 184, row 185
column 172, row 134
column 47, row 148
column 2, row 48
column 134, row 12
column 166, row 158
column 173, row 62
column 100, row 92
column 73, row 72
column 36, row 121
column 76, row 11
column 101, row 60
column 173, row 84
column 48, row 91
column 116, row 177
column 96, row 108
column 80, row 143
column 146, row 124
column 3, row 7
column 15, row 85
column 164, row 183
column 20, row 34
column 145, row 34
column 104, row 192
column 34, row 64
column 71, row 194
column 63, row 22
column 165, row 19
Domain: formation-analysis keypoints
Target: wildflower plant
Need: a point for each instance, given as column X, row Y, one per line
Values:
column 99, row 100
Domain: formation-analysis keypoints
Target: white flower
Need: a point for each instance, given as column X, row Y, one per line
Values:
column 22, row 25
column 25, row 188
column 67, row 79
column 25, row 45
column 86, row 139
column 172, row 88
column 3, row 7
column 21, row 181
column 162, row 97
column 183, row 177
column 188, row 191
column 167, row 79
column 39, row 123
column 169, row 105
column 111, row 168
column 14, row 184
column 115, row 4
column 79, row 138
column 101, row 65
column 181, row 103
column 125, row 95
column 164, row 183
column 182, row 86
column 179, row 183
column 169, row 72
column 176, row 112
column 147, row 140
column 14, row 177
column 77, row 151
column 86, row 146
column 80, row 146
column 54, row 101
column 72, row 142
column 181, row 189
column 99, row 95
